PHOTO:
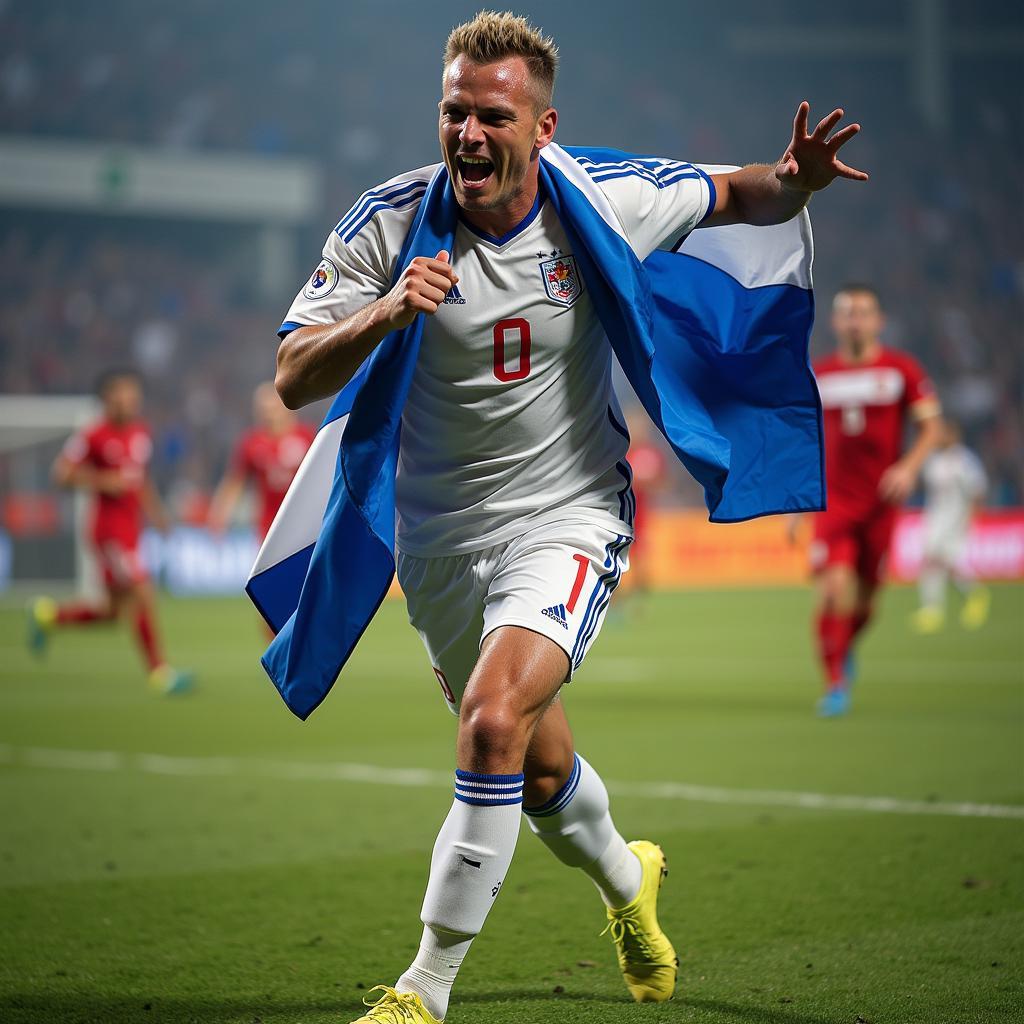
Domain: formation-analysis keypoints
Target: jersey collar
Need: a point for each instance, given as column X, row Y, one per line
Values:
column 509, row 235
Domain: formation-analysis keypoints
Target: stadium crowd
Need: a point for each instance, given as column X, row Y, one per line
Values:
column 938, row 230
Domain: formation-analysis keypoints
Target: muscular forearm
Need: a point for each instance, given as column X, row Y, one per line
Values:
column 153, row 507
column 317, row 362
column 759, row 197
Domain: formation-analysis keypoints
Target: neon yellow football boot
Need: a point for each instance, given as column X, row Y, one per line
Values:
column 395, row 1008
column 646, row 958
column 974, row 613
column 927, row 620
column 171, row 681
column 42, row 617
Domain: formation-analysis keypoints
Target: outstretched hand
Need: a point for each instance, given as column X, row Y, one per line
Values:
column 810, row 162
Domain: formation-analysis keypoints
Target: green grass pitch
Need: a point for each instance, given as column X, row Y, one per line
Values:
column 212, row 859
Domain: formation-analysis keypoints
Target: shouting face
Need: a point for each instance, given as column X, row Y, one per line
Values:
column 491, row 129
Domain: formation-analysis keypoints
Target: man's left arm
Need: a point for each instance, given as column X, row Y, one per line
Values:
column 764, row 194
column 900, row 479
column 153, row 506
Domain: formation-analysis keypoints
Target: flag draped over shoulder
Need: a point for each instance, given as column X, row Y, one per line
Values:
column 712, row 337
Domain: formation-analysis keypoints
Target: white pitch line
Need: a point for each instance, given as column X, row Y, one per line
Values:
column 419, row 778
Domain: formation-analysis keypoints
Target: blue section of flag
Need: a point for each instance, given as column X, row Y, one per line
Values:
column 721, row 369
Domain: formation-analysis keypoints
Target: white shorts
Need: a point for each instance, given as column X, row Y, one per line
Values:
column 556, row 580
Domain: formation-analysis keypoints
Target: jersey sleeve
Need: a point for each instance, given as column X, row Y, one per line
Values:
column 359, row 255
column 919, row 393
column 659, row 202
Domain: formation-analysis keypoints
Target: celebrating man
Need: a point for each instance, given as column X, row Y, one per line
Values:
column 513, row 495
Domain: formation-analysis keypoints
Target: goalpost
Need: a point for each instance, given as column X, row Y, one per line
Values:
column 41, row 526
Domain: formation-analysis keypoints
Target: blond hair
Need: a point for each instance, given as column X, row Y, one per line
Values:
column 491, row 37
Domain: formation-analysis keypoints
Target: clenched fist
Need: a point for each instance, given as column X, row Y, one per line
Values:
column 421, row 289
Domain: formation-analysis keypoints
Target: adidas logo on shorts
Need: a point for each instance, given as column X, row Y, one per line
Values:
column 556, row 612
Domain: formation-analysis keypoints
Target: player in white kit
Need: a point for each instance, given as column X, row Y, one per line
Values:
column 515, row 511
column 954, row 484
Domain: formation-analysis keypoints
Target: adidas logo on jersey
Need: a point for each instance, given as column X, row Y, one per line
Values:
column 454, row 297
column 556, row 612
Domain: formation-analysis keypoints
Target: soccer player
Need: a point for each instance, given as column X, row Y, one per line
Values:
column 110, row 460
column 267, row 455
column 513, row 496
column 868, row 392
column 954, row 485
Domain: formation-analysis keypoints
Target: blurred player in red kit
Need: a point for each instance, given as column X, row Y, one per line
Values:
column 110, row 459
column 868, row 392
column 268, row 455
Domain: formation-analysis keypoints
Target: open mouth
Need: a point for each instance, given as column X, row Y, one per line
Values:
column 474, row 171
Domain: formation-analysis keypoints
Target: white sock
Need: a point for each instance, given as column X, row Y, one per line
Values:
column 577, row 828
column 932, row 586
column 471, row 856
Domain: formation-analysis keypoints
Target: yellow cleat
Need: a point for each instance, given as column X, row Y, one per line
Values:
column 928, row 620
column 974, row 613
column 170, row 681
column 42, row 617
column 395, row 1008
column 646, row 958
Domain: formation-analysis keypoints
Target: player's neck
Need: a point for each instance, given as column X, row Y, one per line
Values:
column 858, row 354
column 503, row 220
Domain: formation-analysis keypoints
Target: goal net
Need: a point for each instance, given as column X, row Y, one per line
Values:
column 41, row 526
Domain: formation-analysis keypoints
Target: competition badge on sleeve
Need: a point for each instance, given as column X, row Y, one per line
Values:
column 561, row 279
column 322, row 283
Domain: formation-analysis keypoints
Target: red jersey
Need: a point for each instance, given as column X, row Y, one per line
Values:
column 270, row 461
column 866, row 407
column 125, row 449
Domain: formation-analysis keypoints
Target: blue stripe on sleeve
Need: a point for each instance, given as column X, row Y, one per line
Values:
column 377, row 207
column 376, row 195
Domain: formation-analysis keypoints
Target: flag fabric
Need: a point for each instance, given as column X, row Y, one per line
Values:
column 713, row 337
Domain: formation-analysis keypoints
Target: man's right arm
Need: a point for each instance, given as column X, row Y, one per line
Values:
column 83, row 477
column 318, row 360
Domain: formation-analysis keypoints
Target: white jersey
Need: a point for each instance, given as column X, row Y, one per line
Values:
column 511, row 421
column 954, row 479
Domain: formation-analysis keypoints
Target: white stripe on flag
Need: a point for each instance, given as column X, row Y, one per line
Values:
column 298, row 520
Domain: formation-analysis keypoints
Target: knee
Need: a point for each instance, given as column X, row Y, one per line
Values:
column 836, row 594
column 493, row 733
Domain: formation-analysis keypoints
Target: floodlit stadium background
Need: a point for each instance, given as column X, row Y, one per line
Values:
column 168, row 174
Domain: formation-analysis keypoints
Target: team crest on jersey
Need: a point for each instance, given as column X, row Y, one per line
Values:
column 562, row 279
column 322, row 283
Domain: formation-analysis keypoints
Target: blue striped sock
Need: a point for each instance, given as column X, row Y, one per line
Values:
column 483, row 790
column 561, row 799
column 576, row 826
column 471, row 856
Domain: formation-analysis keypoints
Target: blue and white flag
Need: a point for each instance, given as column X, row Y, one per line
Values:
column 712, row 337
